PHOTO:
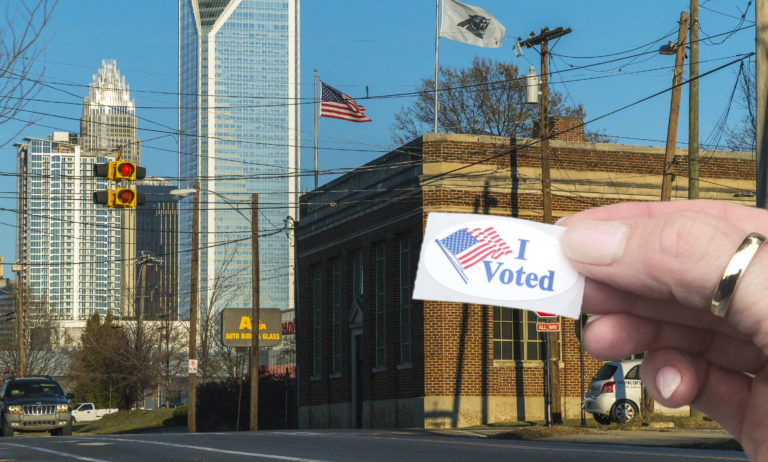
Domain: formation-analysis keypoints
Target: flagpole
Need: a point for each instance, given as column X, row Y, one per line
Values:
column 437, row 42
column 315, row 128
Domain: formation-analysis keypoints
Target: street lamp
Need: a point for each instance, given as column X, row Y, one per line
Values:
column 254, row 355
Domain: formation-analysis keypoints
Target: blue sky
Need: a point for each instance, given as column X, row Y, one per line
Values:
column 387, row 46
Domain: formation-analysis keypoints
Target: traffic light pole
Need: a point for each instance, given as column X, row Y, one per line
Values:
column 193, row 300
column 255, row 323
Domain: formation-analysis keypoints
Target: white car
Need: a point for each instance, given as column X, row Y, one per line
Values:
column 615, row 392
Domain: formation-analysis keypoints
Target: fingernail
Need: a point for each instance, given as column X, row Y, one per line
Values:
column 593, row 318
column 667, row 380
column 595, row 242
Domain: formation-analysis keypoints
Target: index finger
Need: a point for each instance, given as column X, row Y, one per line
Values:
column 748, row 219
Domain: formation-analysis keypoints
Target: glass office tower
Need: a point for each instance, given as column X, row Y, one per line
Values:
column 239, row 123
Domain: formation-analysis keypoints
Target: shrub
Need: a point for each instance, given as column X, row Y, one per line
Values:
column 180, row 415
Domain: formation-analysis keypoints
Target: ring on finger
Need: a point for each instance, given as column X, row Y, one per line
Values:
column 721, row 300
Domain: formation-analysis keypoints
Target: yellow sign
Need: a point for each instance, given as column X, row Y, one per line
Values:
column 237, row 327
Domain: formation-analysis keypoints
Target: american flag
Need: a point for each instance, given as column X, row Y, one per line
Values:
column 337, row 105
column 470, row 247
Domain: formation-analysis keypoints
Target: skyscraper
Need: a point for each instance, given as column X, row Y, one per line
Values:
column 239, row 123
column 157, row 235
column 108, row 123
column 67, row 245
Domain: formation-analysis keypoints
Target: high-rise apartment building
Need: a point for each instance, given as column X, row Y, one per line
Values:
column 67, row 245
column 239, row 122
column 108, row 123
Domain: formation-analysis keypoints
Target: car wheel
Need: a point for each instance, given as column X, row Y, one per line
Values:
column 7, row 430
column 624, row 411
column 602, row 419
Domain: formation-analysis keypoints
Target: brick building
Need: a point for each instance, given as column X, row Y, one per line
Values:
column 370, row 356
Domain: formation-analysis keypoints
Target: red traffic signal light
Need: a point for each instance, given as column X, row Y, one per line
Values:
column 125, row 197
column 129, row 171
column 119, row 198
column 119, row 170
column 125, row 169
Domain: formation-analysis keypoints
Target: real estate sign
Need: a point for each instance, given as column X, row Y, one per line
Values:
column 237, row 327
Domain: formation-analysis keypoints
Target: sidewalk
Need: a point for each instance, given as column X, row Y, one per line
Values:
column 668, row 437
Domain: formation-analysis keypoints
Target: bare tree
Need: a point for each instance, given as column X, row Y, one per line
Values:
column 20, row 49
column 44, row 345
column 743, row 137
column 171, row 356
column 486, row 98
column 214, row 358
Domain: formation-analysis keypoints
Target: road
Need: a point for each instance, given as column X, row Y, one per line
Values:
column 329, row 446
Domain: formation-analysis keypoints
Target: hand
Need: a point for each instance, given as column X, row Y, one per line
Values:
column 652, row 269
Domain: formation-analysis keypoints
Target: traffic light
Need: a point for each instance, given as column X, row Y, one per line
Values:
column 129, row 171
column 119, row 171
column 119, row 198
column 126, row 197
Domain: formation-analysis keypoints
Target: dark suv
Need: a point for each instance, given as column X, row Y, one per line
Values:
column 35, row 404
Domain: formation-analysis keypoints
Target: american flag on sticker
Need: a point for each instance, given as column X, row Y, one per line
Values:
column 466, row 248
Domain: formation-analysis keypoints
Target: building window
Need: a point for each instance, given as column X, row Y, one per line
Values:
column 357, row 277
column 515, row 336
column 336, row 308
column 406, row 291
column 317, row 306
column 381, row 306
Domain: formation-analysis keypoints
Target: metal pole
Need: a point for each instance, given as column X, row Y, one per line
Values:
column 548, row 394
column 693, row 104
column 255, row 323
column 193, row 301
column 316, row 171
column 761, row 75
column 437, row 43
column 20, row 323
column 582, row 318
column 674, row 110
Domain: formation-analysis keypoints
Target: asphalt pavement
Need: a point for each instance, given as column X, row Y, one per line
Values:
column 664, row 437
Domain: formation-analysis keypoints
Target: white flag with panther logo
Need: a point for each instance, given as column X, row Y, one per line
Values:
column 470, row 24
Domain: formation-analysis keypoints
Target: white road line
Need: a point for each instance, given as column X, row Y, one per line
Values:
column 56, row 453
column 220, row 451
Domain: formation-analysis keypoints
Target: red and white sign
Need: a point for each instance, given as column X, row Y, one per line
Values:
column 542, row 314
column 548, row 327
column 193, row 366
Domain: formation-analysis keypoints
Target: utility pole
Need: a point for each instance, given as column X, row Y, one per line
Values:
column 553, row 401
column 674, row 110
column 193, row 301
column 20, row 314
column 761, row 74
column 255, row 323
column 693, row 104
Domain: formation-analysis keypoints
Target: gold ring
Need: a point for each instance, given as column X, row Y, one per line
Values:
column 721, row 301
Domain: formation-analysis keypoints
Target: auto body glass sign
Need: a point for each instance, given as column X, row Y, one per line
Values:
column 497, row 261
column 237, row 327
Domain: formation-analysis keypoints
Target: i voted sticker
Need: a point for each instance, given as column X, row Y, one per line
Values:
column 498, row 261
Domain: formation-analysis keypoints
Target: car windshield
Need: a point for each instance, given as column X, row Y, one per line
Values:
column 17, row 390
column 605, row 372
